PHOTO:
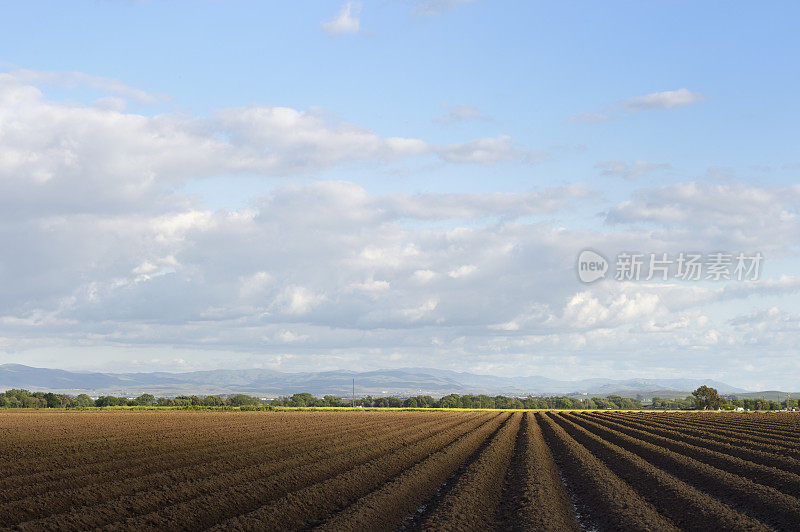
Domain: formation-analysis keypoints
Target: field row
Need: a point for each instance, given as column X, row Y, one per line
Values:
column 398, row 470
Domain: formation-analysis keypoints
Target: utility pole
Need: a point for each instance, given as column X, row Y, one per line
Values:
column 354, row 392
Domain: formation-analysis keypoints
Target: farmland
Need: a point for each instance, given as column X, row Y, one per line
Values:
column 367, row 470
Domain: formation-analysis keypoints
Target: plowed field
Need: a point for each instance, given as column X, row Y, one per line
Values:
column 184, row 470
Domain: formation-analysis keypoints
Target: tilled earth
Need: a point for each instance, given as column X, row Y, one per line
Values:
column 186, row 470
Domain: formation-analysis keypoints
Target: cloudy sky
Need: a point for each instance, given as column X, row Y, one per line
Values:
column 196, row 185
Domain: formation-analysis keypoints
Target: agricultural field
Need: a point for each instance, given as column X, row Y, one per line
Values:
column 192, row 470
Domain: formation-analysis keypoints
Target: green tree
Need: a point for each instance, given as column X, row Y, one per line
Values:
column 563, row 402
column 213, row 400
column 110, row 400
column 411, row 402
column 302, row 399
column 145, row 399
column 501, row 401
column 450, row 401
column 243, row 400
column 394, row 402
column 380, row 402
column 426, row 401
column 52, row 400
column 707, row 398
column 83, row 400
column 331, row 400
column 366, row 402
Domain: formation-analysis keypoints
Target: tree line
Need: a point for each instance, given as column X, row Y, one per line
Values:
column 463, row 401
column 704, row 398
column 707, row 398
column 25, row 399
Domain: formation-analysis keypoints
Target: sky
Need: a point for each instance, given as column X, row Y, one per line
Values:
column 399, row 183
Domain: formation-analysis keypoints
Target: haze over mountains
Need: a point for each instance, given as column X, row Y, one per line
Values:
column 398, row 382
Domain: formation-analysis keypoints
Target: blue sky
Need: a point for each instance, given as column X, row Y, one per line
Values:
column 192, row 185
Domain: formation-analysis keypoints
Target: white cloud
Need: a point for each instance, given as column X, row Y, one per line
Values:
column 288, row 337
column 487, row 151
column 630, row 171
column 585, row 310
column 460, row 113
column 422, row 311
column 731, row 214
column 329, row 255
column 506, row 205
column 60, row 158
column 76, row 79
column 670, row 99
column 105, row 256
column 662, row 100
column 288, row 138
column 423, row 276
column 297, row 300
column 462, row 271
column 345, row 22
column 773, row 329
column 772, row 319
column 255, row 285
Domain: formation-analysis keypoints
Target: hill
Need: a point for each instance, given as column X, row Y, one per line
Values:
column 398, row 382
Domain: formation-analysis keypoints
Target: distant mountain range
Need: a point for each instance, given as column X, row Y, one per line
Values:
column 398, row 382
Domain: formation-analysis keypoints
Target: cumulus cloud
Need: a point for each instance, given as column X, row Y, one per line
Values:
column 629, row 171
column 662, row 100
column 100, row 252
column 584, row 310
column 670, row 99
column 455, row 114
column 771, row 329
column 278, row 258
column 62, row 157
column 730, row 214
column 487, row 151
column 77, row 79
column 773, row 319
column 345, row 22
column 329, row 267
column 338, row 267
column 506, row 205
column 295, row 139
column 297, row 300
